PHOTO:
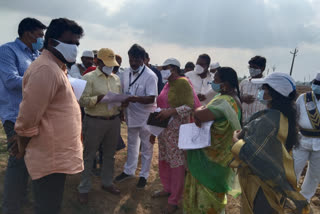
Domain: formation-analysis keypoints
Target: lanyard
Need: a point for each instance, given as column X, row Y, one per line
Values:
column 134, row 81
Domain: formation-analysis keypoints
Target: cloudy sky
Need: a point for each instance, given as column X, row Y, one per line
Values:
column 230, row 31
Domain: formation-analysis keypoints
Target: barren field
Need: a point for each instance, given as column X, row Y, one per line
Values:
column 131, row 199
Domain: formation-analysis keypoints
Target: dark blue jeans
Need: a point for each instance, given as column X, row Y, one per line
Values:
column 16, row 179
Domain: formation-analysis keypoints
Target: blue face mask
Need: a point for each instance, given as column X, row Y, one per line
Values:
column 38, row 45
column 216, row 87
column 260, row 97
column 315, row 88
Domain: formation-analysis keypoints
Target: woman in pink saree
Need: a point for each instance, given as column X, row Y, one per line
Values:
column 177, row 100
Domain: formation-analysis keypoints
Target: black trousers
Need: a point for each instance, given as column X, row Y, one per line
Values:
column 48, row 193
column 15, row 180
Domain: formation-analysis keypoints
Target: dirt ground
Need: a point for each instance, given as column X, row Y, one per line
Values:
column 131, row 199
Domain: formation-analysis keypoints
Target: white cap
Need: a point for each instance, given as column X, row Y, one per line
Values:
column 317, row 77
column 280, row 82
column 171, row 61
column 214, row 65
column 87, row 54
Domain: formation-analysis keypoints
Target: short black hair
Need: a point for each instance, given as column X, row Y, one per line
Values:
column 137, row 51
column 29, row 24
column 259, row 61
column 146, row 56
column 58, row 26
column 189, row 65
column 206, row 57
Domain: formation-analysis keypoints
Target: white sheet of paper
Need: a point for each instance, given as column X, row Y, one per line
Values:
column 154, row 130
column 78, row 86
column 114, row 98
column 193, row 137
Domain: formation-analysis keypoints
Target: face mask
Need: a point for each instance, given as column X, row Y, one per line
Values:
column 68, row 51
column 260, row 97
column 165, row 74
column 199, row 69
column 315, row 88
column 216, row 87
column 107, row 70
column 139, row 69
column 254, row 72
column 38, row 45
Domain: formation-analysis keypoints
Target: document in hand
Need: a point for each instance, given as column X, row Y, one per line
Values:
column 156, row 130
column 78, row 86
column 111, row 97
column 193, row 137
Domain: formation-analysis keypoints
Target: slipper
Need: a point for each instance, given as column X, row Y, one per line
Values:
column 160, row 194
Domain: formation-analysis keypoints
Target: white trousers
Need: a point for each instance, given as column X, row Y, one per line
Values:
column 136, row 137
column 312, row 179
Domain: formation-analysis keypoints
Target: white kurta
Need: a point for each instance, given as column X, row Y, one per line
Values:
column 202, row 86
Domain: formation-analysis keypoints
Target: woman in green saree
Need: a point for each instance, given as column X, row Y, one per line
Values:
column 209, row 177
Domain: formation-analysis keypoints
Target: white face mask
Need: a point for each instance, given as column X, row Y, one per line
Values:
column 165, row 74
column 199, row 69
column 68, row 51
column 107, row 70
column 139, row 69
column 254, row 72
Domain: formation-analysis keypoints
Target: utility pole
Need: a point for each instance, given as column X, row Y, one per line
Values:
column 294, row 53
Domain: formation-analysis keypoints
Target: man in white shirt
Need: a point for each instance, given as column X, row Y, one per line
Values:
column 308, row 107
column 78, row 69
column 201, row 79
column 249, row 91
column 140, row 83
column 214, row 67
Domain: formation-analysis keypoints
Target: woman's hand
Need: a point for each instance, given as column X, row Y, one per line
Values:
column 197, row 122
column 166, row 113
column 236, row 136
column 201, row 115
column 152, row 139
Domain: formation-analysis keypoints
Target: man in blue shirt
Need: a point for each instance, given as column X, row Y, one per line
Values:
column 15, row 58
column 156, row 71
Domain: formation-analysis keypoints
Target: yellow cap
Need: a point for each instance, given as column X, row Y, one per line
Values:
column 108, row 57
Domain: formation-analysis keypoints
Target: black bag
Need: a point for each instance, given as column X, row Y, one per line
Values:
column 156, row 122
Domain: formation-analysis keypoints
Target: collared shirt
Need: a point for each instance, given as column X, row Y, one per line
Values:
column 247, row 87
column 15, row 58
column 137, row 113
column 75, row 71
column 202, row 86
column 309, row 143
column 50, row 115
column 99, row 84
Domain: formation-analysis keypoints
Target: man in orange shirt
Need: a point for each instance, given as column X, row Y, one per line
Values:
column 49, row 120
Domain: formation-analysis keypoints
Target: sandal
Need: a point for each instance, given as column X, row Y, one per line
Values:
column 160, row 194
column 170, row 209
